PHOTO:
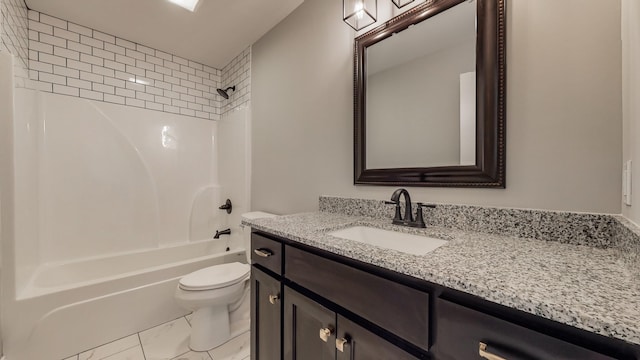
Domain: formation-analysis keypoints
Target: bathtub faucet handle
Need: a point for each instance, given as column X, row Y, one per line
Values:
column 226, row 206
column 221, row 232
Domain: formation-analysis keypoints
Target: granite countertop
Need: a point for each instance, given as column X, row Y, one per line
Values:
column 585, row 287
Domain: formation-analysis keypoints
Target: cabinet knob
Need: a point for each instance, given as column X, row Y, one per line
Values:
column 487, row 355
column 263, row 252
column 273, row 299
column 340, row 343
column 325, row 333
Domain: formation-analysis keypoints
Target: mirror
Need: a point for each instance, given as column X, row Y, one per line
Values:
column 430, row 97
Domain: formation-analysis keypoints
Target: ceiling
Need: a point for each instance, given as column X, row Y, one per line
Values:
column 213, row 35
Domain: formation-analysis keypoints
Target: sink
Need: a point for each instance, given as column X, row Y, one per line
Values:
column 407, row 243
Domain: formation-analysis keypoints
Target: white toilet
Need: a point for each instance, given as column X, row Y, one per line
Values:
column 213, row 292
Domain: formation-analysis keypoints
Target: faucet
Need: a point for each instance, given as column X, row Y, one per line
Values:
column 407, row 219
column 221, row 232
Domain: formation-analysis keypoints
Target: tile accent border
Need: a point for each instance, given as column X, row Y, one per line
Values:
column 595, row 230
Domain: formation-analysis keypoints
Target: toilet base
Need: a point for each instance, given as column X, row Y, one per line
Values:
column 209, row 328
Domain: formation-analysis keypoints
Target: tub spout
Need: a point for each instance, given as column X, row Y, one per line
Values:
column 221, row 232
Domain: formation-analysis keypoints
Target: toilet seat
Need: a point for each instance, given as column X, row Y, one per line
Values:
column 216, row 277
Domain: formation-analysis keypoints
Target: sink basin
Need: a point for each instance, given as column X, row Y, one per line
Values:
column 407, row 243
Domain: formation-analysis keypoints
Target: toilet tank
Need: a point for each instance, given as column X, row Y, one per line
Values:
column 246, row 230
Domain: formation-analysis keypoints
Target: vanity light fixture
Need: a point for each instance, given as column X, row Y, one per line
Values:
column 360, row 13
column 187, row 4
column 401, row 3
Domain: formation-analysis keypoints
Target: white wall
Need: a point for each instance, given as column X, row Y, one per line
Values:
column 564, row 125
column 631, row 94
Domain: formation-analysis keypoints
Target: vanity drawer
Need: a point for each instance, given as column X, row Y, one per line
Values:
column 460, row 331
column 267, row 253
column 399, row 309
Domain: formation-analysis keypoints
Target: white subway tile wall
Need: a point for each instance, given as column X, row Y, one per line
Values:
column 238, row 73
column 70, row 59
column 14, row 35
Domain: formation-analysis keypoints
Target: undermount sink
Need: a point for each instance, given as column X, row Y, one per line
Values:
column 407, row 243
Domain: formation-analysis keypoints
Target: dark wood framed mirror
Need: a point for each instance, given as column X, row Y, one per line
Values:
column 397, row 139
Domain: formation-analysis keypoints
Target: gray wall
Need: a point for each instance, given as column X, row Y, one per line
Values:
column 564, row 121
column 631, row 106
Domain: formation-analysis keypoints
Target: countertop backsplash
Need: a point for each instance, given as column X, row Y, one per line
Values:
column 626, row 238
column 595, row 230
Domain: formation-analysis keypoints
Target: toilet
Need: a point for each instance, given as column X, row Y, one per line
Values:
column 213, row 293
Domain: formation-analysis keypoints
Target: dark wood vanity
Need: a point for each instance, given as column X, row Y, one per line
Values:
column 311, row 304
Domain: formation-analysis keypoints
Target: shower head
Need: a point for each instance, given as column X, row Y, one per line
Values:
column 224, row 93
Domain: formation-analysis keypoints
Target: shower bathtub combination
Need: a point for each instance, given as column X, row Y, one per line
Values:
column 112, row 206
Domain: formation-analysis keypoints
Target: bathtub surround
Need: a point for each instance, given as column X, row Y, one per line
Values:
column 7, row 198
column 155, row 174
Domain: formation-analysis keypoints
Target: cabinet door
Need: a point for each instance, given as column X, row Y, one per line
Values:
column 266, row 310
column 309, row 329
column 357, row 343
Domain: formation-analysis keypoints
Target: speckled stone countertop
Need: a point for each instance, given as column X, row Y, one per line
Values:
column 583, row 286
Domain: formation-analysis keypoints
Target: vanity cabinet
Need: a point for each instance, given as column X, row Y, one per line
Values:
column 266, row 316
column 310, row 304
column 397, row 308
column 314, row 332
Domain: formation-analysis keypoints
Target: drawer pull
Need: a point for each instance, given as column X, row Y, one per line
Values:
column 487, row 355
column 340, row 343
column 273, row 299
column 263, row 252
column 325, row 333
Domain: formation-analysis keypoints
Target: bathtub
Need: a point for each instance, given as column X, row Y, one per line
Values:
column 67, row 308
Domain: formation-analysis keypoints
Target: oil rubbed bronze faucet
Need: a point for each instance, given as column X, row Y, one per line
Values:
column 407, row 219
column 221, row 232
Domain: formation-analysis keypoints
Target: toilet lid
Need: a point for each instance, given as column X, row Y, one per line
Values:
column 215, row 277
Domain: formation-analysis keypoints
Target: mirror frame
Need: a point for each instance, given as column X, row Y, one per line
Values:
column 489, row 170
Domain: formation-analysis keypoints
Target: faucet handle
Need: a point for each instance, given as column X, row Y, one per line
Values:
column 397, row 217
column 423, row 205
column 419, row 217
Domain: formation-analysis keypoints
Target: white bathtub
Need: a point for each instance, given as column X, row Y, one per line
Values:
column 70, row 307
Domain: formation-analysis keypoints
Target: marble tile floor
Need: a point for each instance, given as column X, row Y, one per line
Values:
column 168, row 341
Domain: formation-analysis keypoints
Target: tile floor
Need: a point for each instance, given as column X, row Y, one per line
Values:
column 168, row 341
